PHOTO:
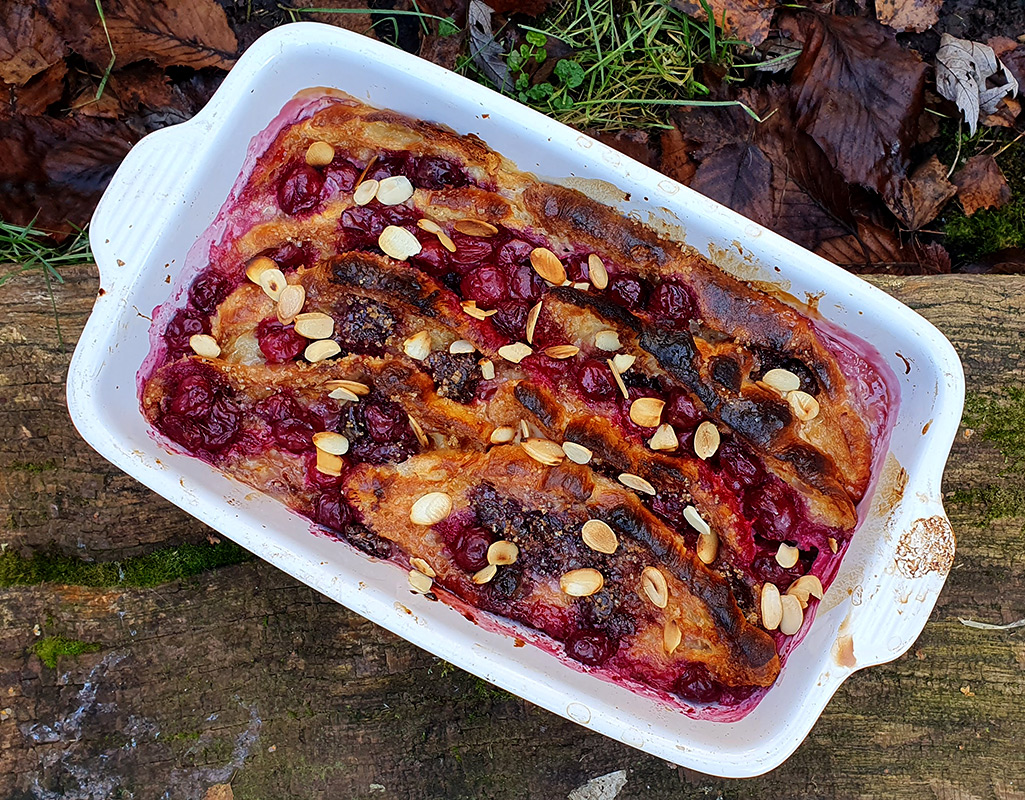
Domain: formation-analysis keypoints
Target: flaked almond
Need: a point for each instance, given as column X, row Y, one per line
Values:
column 365, row 192
column 671, row 636
column 664, row 439
column 431, row 226
column 470, row 307
column 475, row 227
column 596, row 271
column 805, row 587
column 419, row 581
column 618, row 379
column 258, row 266
column 422, row 566
column 314, row 325
column 771, row 607
column 786, row 556
column 204, row 345
column 581, row 582
column 503, row 435
column 341, row 393
column 706, row 440
column 291, row 302
column 532, row 316
column 460, row 347
column 273, row 282
column 430, row 509
column 607, row 340
column 562, row 351
column 599, row 536
column 781, row 380
column 647, row 411
column 547, row 265
column 330, row 442
column 793, row 615
column 707, row 547
column 394, row 190
column 515, row 352
column 636, row 482
column 357, row 388
column 502, row 553
column 418, row 431
column 320, row 154
column 398, row 243
column 695, row 520
column 581, row 286
column 653, row 584
column 322, row 349
column 544, row 451
column 623, row 362
column 329, row 463
column 805, row 406
column 576, row 453
column 524, row 429
column 834, row 546
column 418, row 346
column 485, row 575
column 487, row 369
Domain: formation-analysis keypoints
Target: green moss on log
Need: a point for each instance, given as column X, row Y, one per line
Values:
column 52, row 648
column 1000, row 420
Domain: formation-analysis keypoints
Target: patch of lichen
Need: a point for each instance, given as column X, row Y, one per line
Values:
column 998, row 502
column 1000, row 420
column 162, row 566
column 28, row 466
column 52, row 648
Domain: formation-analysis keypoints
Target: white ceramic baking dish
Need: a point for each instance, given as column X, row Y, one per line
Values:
column 169, row 189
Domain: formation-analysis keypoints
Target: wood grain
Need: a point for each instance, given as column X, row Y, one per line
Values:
column 243, row 674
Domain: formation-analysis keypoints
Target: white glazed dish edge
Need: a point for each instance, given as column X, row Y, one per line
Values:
column 168, row 191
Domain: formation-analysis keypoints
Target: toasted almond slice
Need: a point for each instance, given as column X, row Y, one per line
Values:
column 562, row 351
column 834, row 546
column 398, row 243
column 706, row 440
column 671, row 636
column 394, row 190
column 596, row 271
column 581, row 582
column 503, row 435
column 515, row 352
column 599, row 536
column 355, row 387
column 772, row 607
column 547, row 265
column 341, row 393
column 576, row 453
column 647, row 411
column 544, row 451
column 418, row 346
column 446, row 241
column 664, row 439
column 329, row 463
column 636, row 482
column 334, row 443
column 418, row 431
column 430, row 509
column 258, row 266
column 607, row 340
column 805, row 587
column 420, row 582
column 365, row 192
column 204, row 345
column 793, row 617
column 470, row 307
column 422, row 566
column 322, row 349
column 291, row 302
column 653, row 583
column 314, row 325
column 623, row 362
column 805, row 406
column 461, row 347
column 273, row 282
column 581, row 286
column 429, row 225
column 487, row 369
column 532, row 316
column 524, row 429
column 787, row 556
column 695, row 520
column 781, row 380
column 707, row 547
column 485, row 575
column 502, row 553
column 618, row 379
column 320, row 154
column 475, row 227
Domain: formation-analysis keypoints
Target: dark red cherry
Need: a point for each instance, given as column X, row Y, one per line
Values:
column 300, row 189
column 596, row 380
column 207, row 292
column 591, row 647
column 627, row 291
column 515, row 252
column 194, row 397
column 294, row 435
column 696, row 684
column 289, row 256
column 470, row 550
column 341, row 175
column 279, row 343
column 739, row 468
column 486, row 285
column 511, row 318
column 181, row 328
column 471, row 251
column 681, row 411
column 671, row 304
column 332, row 511
column 433, row 172
column 772, row 510
column 524, row 283
column 384, row 421
column 432, row 258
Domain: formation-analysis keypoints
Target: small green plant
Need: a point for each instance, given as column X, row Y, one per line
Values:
column 52, row 648
column 568, row 74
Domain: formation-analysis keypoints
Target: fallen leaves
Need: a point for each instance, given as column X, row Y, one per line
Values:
column 749, row 20
column 962, row 71
column 29, row 42
column 919, row 199
column 875, row 249
column 908, row 15
column 981, row 184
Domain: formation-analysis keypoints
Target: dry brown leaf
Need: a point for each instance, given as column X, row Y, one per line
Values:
column 964, row 70
column 219, row 791
column 738, row 175
column 981, row 184
column 908, row 15
column 749, row 20
column 41, row 91
column 875, row 249
column 1008, row 261
column 676, row 161
column 921, row 196
column 29, row 42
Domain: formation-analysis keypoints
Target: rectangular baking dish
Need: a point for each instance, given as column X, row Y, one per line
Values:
column 170, row 188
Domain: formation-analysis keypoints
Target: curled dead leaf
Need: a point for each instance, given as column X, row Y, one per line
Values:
column 981, row 184
column 963, row 71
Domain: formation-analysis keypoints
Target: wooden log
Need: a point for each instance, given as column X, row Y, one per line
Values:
column 243, row 675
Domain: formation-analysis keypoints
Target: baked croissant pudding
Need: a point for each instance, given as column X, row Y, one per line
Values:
column 541, row 408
